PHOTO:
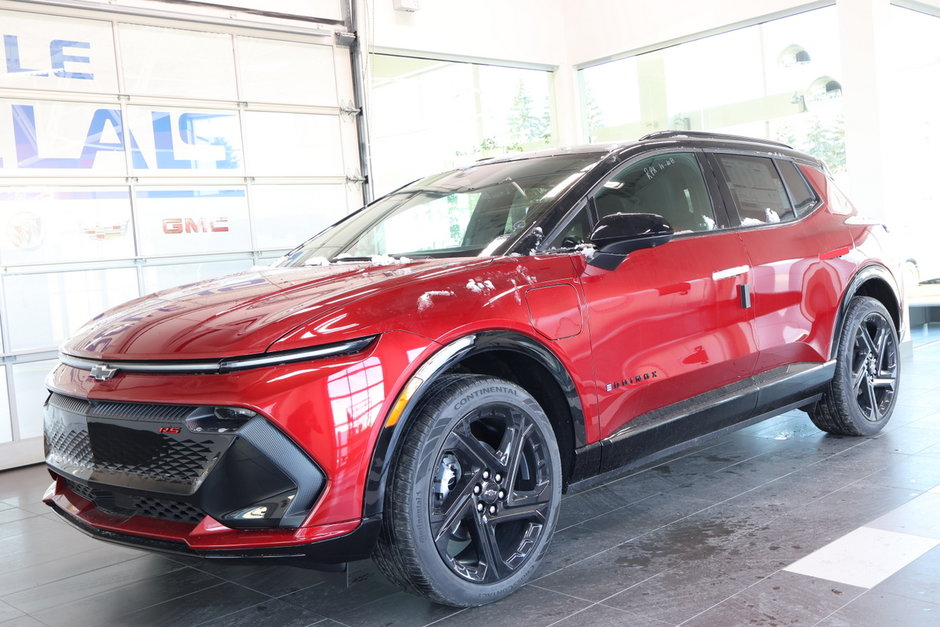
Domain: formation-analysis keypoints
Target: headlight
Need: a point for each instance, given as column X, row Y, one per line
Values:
column 105, row 370
column 303, row 354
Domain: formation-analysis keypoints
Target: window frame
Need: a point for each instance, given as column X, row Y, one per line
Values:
column 817, row 200
column 586, row 200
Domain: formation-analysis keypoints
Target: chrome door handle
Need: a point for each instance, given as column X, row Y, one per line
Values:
column 727, row 273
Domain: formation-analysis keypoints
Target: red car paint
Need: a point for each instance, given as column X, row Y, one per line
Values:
column 667, row 324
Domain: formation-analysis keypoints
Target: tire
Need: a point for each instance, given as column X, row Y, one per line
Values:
column 863, row 392
column 473, row 498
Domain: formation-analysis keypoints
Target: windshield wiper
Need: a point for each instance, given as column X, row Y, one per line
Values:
column 341, row 259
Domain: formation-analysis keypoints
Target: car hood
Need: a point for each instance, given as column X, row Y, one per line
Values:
column 241, row 314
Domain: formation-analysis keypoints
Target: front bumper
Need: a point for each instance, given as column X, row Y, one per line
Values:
column 327, row 554
column 325, row 415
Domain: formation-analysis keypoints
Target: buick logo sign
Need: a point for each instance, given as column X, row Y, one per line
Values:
column 103, row 372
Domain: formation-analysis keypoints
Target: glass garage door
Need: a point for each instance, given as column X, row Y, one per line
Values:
column 139, row 153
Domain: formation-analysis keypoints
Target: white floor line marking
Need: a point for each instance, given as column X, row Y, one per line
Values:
column 864, row 557
column 917, row 517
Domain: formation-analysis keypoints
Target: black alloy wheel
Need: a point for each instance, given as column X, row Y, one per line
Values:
column 473, row 501
column 861, row 397
column 491, row 493
column 875, row 366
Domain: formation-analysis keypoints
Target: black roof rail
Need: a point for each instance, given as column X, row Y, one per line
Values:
column 707, row 135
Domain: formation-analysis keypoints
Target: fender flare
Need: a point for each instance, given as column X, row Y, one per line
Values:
column 867, row 273
column 390, row 436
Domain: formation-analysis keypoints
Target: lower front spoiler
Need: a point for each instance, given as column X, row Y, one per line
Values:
column 328, row 555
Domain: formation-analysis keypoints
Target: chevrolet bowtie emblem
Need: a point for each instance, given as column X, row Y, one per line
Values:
column 102, row 372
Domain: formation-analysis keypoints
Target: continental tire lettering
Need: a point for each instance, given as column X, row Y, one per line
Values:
column 483, row 391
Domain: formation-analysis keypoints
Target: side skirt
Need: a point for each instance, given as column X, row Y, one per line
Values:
column 694, row 421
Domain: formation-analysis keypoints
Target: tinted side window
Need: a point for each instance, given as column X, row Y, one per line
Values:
column 669, row 184
column 757, row 189
column 802, row 195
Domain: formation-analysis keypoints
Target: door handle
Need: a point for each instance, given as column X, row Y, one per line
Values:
column 727, row 273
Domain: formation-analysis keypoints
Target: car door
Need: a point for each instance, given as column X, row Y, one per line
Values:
column 793, row 250
column 668, row 323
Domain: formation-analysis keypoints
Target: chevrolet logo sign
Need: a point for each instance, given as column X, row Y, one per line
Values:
column 102, row 372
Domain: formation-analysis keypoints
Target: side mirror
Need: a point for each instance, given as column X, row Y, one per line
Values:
column 619, row 234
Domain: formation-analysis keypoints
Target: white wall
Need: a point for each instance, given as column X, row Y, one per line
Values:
column 567, row 34
column 519, row 31
column 610, row 27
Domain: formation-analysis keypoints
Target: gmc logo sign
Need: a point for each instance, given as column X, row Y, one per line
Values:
column 173, row 226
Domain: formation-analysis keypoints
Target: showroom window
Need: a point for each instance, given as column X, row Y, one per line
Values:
column 913, row 129
column 432, row 115
column 126, row 168
column 778, row 80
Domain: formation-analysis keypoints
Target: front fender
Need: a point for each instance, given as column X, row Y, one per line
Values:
column 445, row 360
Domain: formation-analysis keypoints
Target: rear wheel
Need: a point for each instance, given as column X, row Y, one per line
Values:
column 862, row 394
column 474, row 496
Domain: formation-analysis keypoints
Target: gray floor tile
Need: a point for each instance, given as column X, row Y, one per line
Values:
column 127, row 580
column 195, row 607
column 828, row 518
column 22, row 621
column 885, row 610
column 781, row 599
column 919, row 517
column 366, row 585
column 399, row 608
column 595, row 502
column 269, row 612
column 606, row 616
column 8, row 612
column 14, row 513
column 36, row 575
column 574, row 544
column 642, row 517
column 610, row 572
column 919, row 580
column 914, row 472
column 907, row 439
column 271, row 580
column 687, row 590
column 527, row 606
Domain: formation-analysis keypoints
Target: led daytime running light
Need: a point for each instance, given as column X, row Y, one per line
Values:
column 224, row 365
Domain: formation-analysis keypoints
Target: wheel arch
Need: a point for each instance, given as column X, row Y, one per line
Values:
column 506, row 354
column 874, row 281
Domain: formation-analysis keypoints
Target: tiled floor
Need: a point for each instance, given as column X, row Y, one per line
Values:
column 727, row 534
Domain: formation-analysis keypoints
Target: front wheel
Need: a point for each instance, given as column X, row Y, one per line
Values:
column 862, row 394
column 474, row 496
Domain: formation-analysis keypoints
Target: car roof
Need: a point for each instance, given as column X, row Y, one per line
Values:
column 686, row 139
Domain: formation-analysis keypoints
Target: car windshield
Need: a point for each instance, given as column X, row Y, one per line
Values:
column 465, row 212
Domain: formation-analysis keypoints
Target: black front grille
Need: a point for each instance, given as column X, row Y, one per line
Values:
column 121, row 444
column 142, row 460
column 168, row 510
column 128, row 505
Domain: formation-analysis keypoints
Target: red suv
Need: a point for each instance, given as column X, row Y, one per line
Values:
column 421, row 381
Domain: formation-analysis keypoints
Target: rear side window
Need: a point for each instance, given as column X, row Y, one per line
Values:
column 802, row 195
column 757, row 189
